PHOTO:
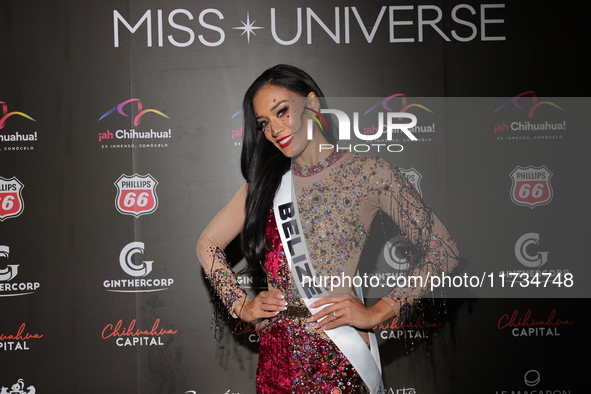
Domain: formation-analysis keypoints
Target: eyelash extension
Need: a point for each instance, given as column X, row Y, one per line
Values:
column 261, row 125
column 282, row 111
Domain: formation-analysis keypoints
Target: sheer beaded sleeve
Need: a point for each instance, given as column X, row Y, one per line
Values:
column 431, row 250
column 224, row 227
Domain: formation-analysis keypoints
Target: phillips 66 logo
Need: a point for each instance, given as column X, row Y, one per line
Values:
column 531, row 186
column 414, row 177
column 136, row 194
column 11, row 199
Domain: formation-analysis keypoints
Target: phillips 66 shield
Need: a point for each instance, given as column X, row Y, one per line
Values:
column 531, row 186
column 414, row 177
column 11, row 199
column 136, row 194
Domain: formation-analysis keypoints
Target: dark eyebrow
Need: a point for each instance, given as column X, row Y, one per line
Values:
column 278, row 104
column 273, row 108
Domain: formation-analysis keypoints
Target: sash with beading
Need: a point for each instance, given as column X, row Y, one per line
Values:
column 346, row 338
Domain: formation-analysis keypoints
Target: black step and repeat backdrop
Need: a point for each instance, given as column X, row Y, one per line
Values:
column 120, row 137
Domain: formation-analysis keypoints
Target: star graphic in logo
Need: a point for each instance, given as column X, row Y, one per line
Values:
column 248, row 27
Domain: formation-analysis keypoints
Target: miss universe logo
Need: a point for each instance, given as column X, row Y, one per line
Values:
column 208, row 27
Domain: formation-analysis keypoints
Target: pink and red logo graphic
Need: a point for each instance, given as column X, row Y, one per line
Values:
column 404, row 103
column 11, row 198
column 531, row 186
column 6, row 114
column 136, row 194
column 140, row 111
column 534, row 103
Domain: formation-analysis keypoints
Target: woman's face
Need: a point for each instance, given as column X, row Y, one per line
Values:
column 278, row 112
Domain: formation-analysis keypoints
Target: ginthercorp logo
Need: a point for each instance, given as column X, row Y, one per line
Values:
column 136, row 194
column 396, row 248
column 11, row 270
column 126, row 262
column 527, row 253
column 545, row 119
column 530, row 253
column 252, row 282
column 132, row 263
column 8, row 273
column 531, row 186
column 396, row 253
column 11, row 198
column 18, row 388
column 149, row 138
column 207, row 26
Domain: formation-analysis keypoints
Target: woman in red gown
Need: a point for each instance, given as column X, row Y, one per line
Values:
column 338, row 194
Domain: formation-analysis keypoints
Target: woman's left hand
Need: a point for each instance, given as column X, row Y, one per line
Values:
column 349, row 310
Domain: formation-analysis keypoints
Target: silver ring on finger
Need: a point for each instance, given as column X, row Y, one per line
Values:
column 334, row 314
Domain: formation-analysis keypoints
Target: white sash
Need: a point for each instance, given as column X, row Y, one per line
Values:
column 346, row 338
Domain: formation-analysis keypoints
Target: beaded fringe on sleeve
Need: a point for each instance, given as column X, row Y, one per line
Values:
column 229, row 297
column 429, row 247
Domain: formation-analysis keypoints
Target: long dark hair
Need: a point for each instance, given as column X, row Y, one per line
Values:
column 262, row 163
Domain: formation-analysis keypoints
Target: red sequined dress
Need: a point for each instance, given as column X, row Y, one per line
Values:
column 337, row 201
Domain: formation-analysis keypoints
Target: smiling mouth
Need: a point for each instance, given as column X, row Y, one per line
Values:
column 285, row 141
